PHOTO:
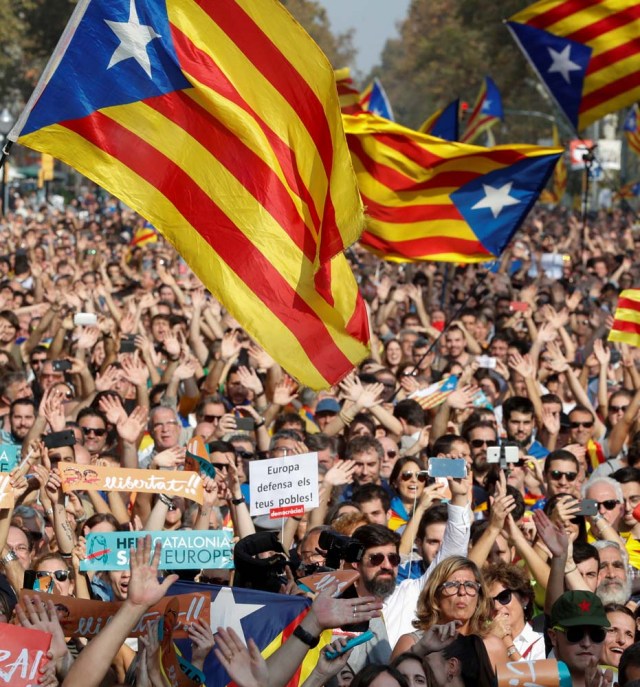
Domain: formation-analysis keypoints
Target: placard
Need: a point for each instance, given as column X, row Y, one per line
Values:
column 98, row 478
column 22, row 655
column 9, row 457
column 6, row 494
column 181, row 550
column 86, row 617
column 176, row 670
column 321, row 580
column 197, row 458
column 284, row 482
column 543, row 673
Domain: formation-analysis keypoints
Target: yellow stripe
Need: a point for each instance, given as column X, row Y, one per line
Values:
column 631, row 294
column 431, row 257
column 624, row 337
column 627, row 315
column 259, row 322
column 418, row 230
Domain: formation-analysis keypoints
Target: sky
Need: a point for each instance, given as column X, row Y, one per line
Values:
column 373, row 20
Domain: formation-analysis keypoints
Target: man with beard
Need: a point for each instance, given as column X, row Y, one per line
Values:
column 614, row 586
column 518, row 420
column 480, row 436
column 22, row 415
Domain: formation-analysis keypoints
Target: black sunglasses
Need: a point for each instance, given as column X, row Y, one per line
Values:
column 408, row 474
column 391, row 454
column 93, row 430
column 504, row 598
column 247, row 455
column 477, row 443
column 618, row 409
column 60, row 575
column 557, row 474
column 211, row 418
column 609, row 504
column 576, row 634
column 378, row 558
column 575, row 425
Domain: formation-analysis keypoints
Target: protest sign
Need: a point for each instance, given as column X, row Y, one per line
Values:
column 320, row 581
column 99, row 478
column 197, row 458
column 22, row 655
column 282, row 485
column 181, row 550
column 6, row 495
column 176, row 670
column 544, row 673
column 86, row 617
column 8, row 457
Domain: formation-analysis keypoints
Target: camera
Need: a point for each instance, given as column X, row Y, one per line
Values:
column 340, row 548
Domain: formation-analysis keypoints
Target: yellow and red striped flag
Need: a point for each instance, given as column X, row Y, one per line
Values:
column 218, row 121
column 626, row 319
column 486, row 111
column 586, row 53
column 631, row 129
column 430, row 199
column 559, row 180
column 348, row 94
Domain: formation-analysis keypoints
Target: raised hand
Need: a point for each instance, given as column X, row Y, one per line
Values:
column 144, row 588
column 245, row 664
column 171, row 458
column 201, row 642
column 112, row 407
column 552, row 534
column 133, row 426
column 341, row 473
column 40, row 616
column 285, row 392
column 250, row 380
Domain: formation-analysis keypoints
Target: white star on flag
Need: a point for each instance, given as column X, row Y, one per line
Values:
column 225, row 612
column 562, row 63
column 496, row 199
column 486, row 106
column 134, row 38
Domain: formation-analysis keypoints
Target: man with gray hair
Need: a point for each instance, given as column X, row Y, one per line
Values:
column 614, row 586
column 607, row 493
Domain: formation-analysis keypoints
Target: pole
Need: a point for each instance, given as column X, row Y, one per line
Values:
column 3, row 163
column 588, row 159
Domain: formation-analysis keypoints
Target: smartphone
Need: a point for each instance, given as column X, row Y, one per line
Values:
column 85, row 319
column 58, row 439
column 243, row 358
column 60, row 365
column 511, row 454
column 518, row 306
column 486, row 361
column 128, row 344
column 447, row 467
column 588, row 507
column 246, row 424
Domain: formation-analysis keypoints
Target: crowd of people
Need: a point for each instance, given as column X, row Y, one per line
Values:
column 114, row 354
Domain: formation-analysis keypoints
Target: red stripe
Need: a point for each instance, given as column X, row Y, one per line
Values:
column 411, row 149
column 409, row 214
column 629, row 304
column 566, row 9
column 469, row 133
column 625, row 326
column 235, row 249
column 482, row 96
column 429, row 245
column 611, row 90
column 610, row 57
column 610, row 22
column 247, row 167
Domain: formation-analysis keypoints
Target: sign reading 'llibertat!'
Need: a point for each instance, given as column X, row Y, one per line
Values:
column 183, row 550
column 284, row 486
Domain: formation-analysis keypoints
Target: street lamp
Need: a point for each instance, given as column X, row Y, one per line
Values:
column 6, row 124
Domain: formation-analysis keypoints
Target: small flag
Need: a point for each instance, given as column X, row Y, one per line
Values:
column 374, row 99
column 626, row 319
column 628, row 190
column 445, row 123
column 631, row 129
column 144, row 235
column 559, row 181
column 435, row 394
column 595, row 453
column 585, row 53
column 486, row 111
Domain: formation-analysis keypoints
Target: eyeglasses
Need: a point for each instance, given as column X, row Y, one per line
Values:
column 618, row 409
column 504, row 598
column 60, row 575
column 160, row 425
column 391, row 454
column 93, row 430
column 576, row 634
column 211, row 418
column 609, row 504
column 477, row 443
column 247, row 455
column 558, row 474
column 378, row 558
column 408, row 474
column 453, row 587
column 576, row 425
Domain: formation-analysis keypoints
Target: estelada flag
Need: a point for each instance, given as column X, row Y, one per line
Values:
column 486, row 111
column 626, row 319
column 218, row 121
column 444, row 123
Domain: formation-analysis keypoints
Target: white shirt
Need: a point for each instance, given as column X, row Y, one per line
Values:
column 530, row 638
column 399, row 609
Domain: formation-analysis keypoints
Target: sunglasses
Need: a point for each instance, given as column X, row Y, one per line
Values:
column 247, row 455
column 220, row 466
column 378, row 558
column 609, row 504
column 618, row 409
column 408, row 474
column 558, row 474
column 211, row 418
column 477, row 443
column 576, row 634
column 576, row 425
column 504, row 598
column 453, row 587
column 60, row 575
column 93, row 430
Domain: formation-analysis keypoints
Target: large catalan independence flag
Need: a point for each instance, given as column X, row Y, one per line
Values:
column 218, row 121
column 430, row 199
column 586, row 53
column 626, row 319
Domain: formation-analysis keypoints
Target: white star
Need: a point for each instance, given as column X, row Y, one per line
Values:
column 562, row 63
column 134, row 38
column 496, row 198
column 225, row 612
column 486, row 106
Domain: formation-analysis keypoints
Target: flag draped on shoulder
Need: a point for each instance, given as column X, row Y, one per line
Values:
column 626, row 319
column 586, row 53
column 430, row 199
column 374, row 99
column 486, row 111
column 219, row 122
column 631, row 129
column 445, row 123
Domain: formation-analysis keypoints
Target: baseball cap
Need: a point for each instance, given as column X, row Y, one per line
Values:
column 328, row 405
column 578, row 608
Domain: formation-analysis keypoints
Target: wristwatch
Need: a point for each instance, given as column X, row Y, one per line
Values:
column 306, row 637
column 511, row 650
column 10, row 557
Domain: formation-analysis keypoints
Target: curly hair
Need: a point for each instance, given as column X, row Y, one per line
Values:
column 428, row 612
column 514, row 578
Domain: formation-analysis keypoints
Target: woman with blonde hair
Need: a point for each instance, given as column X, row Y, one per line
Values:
column 455, row 592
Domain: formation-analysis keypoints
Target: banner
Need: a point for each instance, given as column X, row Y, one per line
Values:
column 284, row 485
column 8, row 457
column 543, row 673
column 176, row 670
column 6, row 495
column 320, row 581
column 97, row 478
column 22, row 655
column 86, row 617
column 182, row 550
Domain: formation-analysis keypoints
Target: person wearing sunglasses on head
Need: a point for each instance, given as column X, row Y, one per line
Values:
column 53, row 575
column 512, row 594
column 578, row 627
